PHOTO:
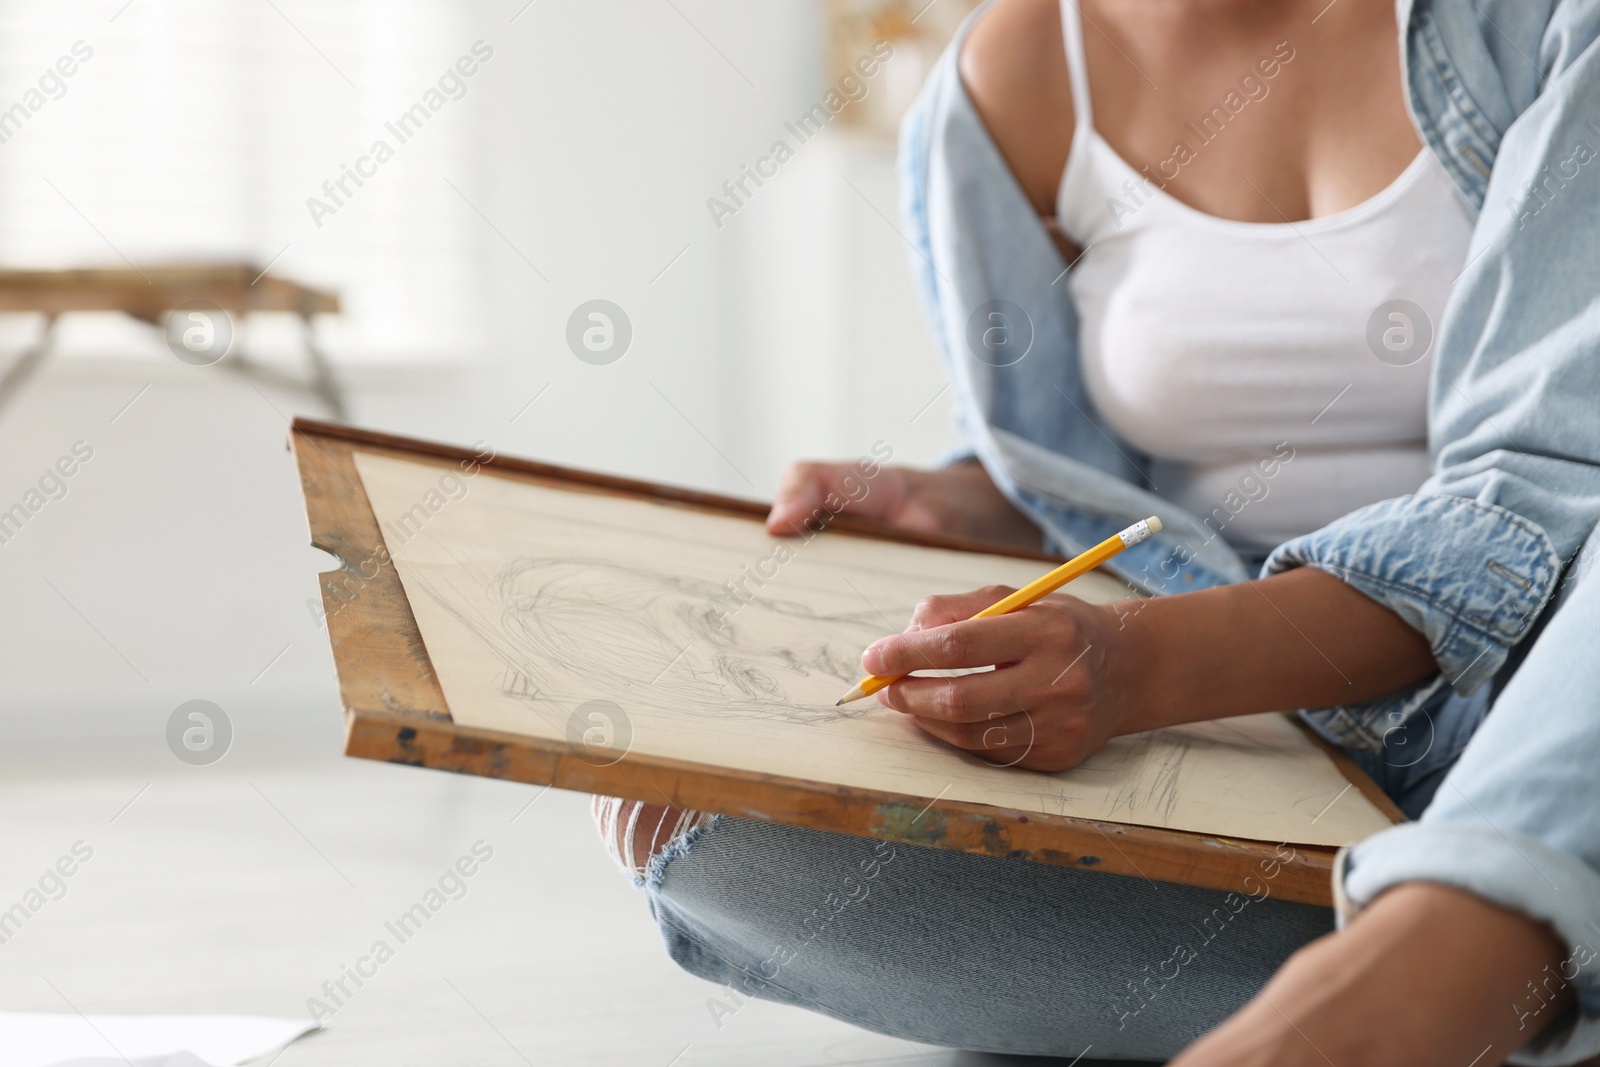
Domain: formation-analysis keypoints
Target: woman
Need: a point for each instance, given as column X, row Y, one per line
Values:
column 1316, row 283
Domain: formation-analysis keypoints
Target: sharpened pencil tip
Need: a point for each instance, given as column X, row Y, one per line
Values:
column 855, row 693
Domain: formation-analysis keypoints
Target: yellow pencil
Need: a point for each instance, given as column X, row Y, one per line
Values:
column 1034, row 590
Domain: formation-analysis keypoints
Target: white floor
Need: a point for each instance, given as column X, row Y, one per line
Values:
column 243, row 886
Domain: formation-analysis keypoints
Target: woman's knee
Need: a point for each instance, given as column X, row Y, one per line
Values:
column 639, row 835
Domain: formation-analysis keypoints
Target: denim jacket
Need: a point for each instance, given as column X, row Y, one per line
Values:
column 1506, row 94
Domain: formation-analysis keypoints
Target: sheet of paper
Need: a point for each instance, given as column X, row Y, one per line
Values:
column 30, row 1039
column 682, row 634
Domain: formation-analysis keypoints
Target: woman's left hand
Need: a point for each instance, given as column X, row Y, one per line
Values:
column 1063, row 684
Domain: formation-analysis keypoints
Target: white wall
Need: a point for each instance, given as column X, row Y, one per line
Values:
column 829, row 353
column 177, row 566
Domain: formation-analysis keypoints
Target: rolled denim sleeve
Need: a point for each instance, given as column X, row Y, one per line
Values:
column 1471, row 576
column 1515, row 823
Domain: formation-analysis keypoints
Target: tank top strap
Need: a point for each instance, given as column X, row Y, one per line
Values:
column 1077, row 70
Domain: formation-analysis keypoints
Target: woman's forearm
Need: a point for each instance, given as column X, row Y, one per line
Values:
column 1425, row 975
column 1300, row 639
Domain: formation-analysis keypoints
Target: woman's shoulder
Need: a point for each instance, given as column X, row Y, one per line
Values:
column 1014, row 68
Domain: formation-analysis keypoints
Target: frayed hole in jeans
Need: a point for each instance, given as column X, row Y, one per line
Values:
column 643, row 838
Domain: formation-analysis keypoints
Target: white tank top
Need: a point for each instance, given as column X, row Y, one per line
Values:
column 1237, row 354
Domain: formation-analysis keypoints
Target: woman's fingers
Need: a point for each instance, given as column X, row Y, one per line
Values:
column 1003, row 738
column 973, row 642
column 955, row 607
column 801, row 494
column 812, row 494
column 968, row 698
column 1033, row 740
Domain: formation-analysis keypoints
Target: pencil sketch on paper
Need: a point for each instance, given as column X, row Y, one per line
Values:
column 563, row 621
column 534, row 600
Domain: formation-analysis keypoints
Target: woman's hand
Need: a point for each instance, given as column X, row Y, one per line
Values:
column 1070, row 675
column 1426, row 976
column 1064, row 681
column 959, row 499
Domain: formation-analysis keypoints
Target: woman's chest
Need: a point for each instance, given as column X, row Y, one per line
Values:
column 1193, row 350
column 1283, row 116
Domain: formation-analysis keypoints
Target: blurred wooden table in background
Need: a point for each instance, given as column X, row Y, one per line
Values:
column 149, row 294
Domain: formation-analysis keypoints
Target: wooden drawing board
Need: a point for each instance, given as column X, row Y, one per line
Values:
column 395, row 708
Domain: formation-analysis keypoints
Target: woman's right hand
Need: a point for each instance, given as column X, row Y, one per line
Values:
column 959, row 499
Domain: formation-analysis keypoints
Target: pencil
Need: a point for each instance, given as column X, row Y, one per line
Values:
column 1041, row 587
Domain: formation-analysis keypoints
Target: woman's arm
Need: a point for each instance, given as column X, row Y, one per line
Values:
column 1300, row 639
column 1072, row 675
column 1428, row 975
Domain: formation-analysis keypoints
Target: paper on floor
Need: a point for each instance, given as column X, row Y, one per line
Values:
column 58, row 1039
